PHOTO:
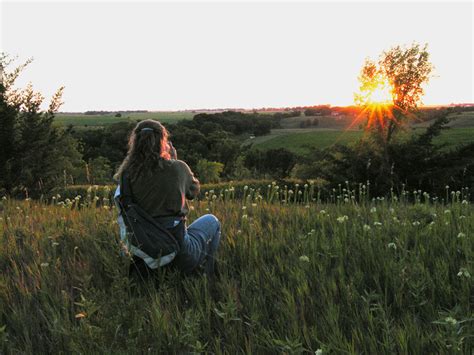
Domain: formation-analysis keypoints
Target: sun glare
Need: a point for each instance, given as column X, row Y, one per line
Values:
column 380, row 94
column 376, row 98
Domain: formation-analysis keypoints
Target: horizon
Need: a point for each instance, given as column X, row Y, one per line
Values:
column 241, row 55
column 463, row 104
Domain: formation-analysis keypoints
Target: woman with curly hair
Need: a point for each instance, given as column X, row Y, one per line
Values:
column 160, row 185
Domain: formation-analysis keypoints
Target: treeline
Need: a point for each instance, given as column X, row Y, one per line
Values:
column 93, row 113
column 212, row 146
column 210, row 143
column 413, row 163
column 36, row 156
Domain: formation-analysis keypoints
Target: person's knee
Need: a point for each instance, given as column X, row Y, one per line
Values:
column 216, row 224
column 213, row 219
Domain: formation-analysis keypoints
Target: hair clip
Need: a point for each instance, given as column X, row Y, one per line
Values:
column 147, row 129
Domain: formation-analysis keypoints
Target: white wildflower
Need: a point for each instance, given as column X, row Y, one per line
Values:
column 392, row 246
column 464, row 272
column 342, row 219
column 461, row 235
column 366, row 227
column 450, row 320
column 304, row 258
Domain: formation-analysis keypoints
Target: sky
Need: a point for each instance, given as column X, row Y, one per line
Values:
column 156, row 55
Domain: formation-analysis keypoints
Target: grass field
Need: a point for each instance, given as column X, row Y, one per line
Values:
column 375, row 277
column 300, row 141
column 81, row 120
column 458, row 120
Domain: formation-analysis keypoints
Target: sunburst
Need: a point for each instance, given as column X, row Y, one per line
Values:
column 376, row 99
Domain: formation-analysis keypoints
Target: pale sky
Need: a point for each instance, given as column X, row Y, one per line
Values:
column 187, row 55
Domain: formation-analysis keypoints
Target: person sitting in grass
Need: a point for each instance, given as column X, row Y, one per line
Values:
column 160, row 185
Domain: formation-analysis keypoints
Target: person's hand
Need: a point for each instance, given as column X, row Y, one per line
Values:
column 173, row 154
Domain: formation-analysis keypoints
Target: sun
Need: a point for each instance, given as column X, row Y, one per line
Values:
column 376, row 99
column 380, row 93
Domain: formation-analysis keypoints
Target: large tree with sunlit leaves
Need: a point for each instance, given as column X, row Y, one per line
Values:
column 391, row 89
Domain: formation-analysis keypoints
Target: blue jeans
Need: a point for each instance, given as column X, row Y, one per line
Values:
column 199, row 247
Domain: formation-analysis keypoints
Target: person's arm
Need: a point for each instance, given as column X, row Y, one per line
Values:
column 192, row 186
column 173, row 154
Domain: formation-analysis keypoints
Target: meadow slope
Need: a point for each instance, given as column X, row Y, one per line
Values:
column 374, row 277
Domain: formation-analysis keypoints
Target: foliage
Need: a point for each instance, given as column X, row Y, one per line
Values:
column 236, row 122
column 414, row 161
column 208, row 171
column 276, row 163
column 373, row 277
column 98, row 171
column 34, row 154
column 323, row 110
column 404, row 70
column 211, row 137
column 407, row 70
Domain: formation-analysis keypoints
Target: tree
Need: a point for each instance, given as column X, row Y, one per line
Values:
column 311, row 112
column 8, row 115
column 391, row 89
column 35, row 155
column 209, row 171
column 390, row 92
column 276, row 163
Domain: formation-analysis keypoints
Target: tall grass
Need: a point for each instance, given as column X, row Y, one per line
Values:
column 297, row 276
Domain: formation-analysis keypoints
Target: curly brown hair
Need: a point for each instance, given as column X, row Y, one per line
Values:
column 147, row 148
